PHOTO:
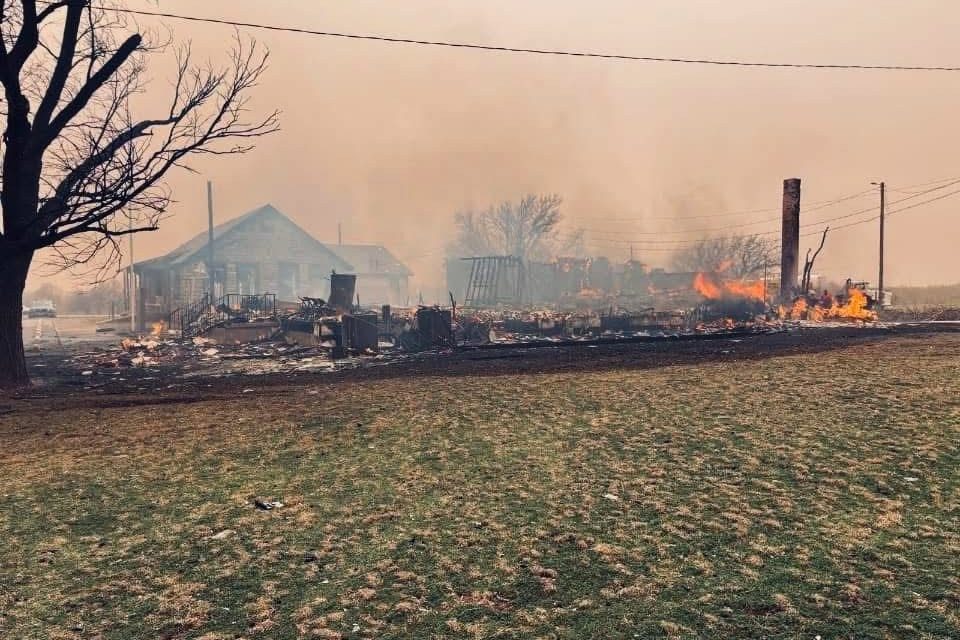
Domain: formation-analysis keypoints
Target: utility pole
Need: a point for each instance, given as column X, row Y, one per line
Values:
column 883, row 211
column 210, row 273
column 133, row 285
column 339, row 234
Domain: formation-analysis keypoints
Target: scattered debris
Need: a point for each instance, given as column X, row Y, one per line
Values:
column 266, row 505
column 223, row 535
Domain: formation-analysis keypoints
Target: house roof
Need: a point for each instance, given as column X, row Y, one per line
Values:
column 353, row 258
column 368, row 259
column 198, row 243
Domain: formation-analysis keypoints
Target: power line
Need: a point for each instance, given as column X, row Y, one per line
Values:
column 816, row 207
column 607, row 244
column 907, row 189
column 895, row 211
column 548, row 52
column 642, row 241
column 889, row 213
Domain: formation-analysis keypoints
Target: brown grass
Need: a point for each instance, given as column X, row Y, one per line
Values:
column 787, row 497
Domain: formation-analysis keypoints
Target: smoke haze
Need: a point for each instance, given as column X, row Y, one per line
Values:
column 390, row 140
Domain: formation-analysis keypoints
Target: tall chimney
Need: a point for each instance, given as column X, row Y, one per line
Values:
column 790, row 239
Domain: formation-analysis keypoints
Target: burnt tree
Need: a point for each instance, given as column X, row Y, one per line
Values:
column 78, row 169
column 744, row 256
column 808, row 263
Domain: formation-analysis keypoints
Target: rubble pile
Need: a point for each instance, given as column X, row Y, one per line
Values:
column 199, row 355
column 522, row 325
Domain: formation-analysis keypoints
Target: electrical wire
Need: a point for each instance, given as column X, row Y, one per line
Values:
column 821, row 205
column 526, row 50
column 644, row 241
column 815, row 206
column 888, row 213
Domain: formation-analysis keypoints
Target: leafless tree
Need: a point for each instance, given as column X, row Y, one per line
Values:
column 737, row 256
column 528, row 229
column 808, row 263
column 79, row 169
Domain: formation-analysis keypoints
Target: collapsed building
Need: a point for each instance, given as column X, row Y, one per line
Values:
column 567, row 283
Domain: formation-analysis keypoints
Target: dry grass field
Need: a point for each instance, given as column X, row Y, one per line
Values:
column 787, row 497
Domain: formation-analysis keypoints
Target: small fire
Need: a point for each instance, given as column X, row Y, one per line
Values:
column 855, row 308
column 710, row 286
column 799, row 310
column 158, row 328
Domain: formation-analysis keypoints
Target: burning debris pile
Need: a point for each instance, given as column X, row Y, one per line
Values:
column 731, row 302
column 855, row 305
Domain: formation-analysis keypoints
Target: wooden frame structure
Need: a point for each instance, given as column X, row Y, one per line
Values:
column 495, row 280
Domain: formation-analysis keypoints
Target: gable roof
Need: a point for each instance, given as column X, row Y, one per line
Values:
column 370, row 259
column 198, row 243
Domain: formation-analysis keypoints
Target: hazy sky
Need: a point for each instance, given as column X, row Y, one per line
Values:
column 390, row 139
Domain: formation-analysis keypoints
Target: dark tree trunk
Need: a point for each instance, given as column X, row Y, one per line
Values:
column 13, row 279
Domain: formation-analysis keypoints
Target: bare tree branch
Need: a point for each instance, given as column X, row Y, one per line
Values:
column 97, row 160
column 527, row 229
column 808, row 263
column 79, row 169
column 738, row 256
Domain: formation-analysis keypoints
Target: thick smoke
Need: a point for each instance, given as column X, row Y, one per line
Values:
column 390, row 140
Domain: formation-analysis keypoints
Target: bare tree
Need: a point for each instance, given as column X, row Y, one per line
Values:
column 79, row 170
column 808, row 263
column 527, row 229
column 737, row 256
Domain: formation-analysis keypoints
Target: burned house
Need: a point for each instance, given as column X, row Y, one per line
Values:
column 259, row 252
column 381, row 277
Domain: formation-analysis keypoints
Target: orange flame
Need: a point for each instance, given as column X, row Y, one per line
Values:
column 752, row 290
column 855, row 308
column 158, row 328
column 706, row 287
column 712, row 288
column 799, row 310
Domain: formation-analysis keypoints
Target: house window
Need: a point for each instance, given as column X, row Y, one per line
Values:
column 289, row 286
column 248, row 279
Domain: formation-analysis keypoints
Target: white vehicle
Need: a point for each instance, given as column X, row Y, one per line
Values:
column 42, row 309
